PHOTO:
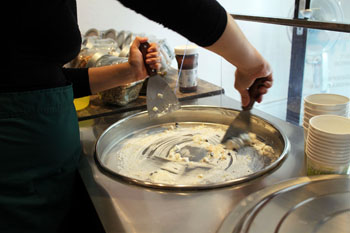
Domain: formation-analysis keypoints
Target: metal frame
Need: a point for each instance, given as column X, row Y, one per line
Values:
column 296, row 71
column 338, row 27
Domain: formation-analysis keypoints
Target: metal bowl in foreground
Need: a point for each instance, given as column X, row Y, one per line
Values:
column 113, row 137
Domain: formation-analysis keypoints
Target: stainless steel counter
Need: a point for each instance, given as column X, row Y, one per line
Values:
column 126, row 207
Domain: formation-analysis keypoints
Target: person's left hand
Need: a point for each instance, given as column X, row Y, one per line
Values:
column 136, row 60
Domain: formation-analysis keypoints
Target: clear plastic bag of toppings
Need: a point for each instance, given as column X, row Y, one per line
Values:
column 94, row 42
column 110, row 59
column 90, row 54
column 110, row 33
column 83, row 58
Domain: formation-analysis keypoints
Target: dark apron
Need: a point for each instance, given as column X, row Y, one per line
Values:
column 39, row 153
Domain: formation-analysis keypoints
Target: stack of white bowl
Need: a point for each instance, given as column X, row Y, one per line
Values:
column 324, row 104
column 328, row 145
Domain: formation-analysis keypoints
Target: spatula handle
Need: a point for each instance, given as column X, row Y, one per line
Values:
column 254, row 92
column 143, row 49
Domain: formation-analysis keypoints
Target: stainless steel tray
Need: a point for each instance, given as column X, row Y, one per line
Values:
column 307, row 204
column 122, row 129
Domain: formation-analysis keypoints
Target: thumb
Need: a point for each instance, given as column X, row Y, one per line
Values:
column 138, row 40
column 245, row 97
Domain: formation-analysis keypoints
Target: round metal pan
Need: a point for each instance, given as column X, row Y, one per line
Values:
column 194, row 114
column 315, row 204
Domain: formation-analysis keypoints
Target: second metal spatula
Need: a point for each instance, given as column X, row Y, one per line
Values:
column 240, row 126
column 161, row 99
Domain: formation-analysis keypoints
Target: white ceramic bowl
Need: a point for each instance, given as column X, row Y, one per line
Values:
column 312, row 112
column 341, row 156
column 306, row 122
column 328, row 143
column 328, row 137
column 326, row 101
column 320, row 152
column 330, row 126
column 315, row 167
column 305, row 135
column 327, row 160
column 307, row 116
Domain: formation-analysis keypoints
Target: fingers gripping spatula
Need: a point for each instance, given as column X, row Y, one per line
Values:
column 160, row 97
column 239, row 128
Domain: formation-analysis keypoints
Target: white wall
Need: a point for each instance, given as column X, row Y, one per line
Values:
column 270, row 8
column 105, row 14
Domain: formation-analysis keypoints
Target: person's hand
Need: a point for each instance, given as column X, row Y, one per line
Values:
column 245, row 78
column 136, row 60
column 236, row 49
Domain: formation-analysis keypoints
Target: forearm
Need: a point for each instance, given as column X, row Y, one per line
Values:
column 236, row 49
column 103, row 78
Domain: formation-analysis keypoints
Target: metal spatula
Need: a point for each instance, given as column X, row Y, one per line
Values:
column 161, row 99
column 236, row 134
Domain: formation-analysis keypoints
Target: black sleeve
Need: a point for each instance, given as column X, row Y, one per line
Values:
column 200, row 21
column 79, row 77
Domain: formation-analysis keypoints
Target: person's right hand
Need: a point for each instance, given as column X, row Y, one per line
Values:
column 236, row 49
column 136, row 60
column 245, row 78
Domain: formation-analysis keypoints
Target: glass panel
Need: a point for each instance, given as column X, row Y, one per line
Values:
column 330, row 11
column 327, row 63
column 326, row 67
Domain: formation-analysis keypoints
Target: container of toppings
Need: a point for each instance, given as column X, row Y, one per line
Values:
column 187, row 61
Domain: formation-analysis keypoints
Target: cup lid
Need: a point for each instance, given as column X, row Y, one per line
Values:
column 186, row 49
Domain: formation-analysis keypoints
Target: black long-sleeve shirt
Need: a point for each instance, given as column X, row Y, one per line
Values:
column 45, row 36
